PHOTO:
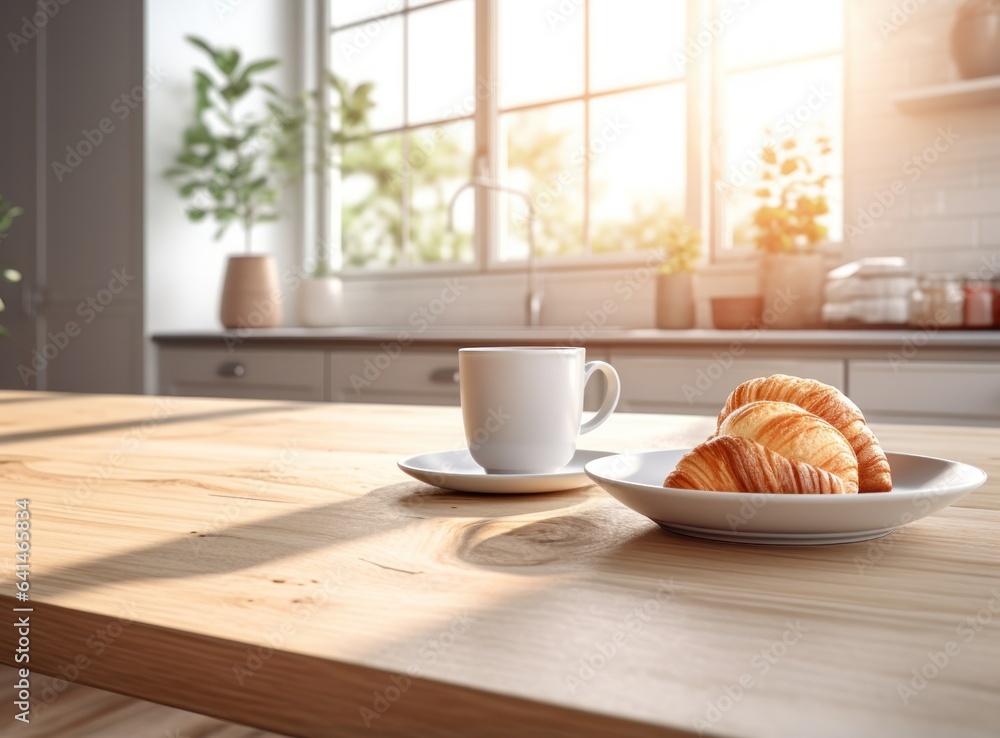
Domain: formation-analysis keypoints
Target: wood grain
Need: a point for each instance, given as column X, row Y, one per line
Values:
column 85, row 712
column 280, row 540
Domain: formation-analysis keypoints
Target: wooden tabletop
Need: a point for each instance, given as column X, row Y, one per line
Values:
column 267, row 563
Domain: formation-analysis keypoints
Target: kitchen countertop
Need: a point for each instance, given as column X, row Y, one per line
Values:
column 919, row 338
column 267, row 563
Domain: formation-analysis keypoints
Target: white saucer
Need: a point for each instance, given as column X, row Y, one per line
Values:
column 921, row 485
column 456, row 471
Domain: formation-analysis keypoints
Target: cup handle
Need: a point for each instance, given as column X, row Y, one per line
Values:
column 610, row 397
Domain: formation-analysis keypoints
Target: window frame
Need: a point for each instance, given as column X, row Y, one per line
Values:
column 704, row 82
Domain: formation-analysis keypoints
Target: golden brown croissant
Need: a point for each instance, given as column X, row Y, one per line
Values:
column 796, row 434
column 831, row 405
column 731, row 464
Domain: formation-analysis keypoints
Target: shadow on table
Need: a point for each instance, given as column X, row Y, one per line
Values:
column 220, row 549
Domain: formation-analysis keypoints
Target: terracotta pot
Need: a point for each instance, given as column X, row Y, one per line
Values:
column 321, row 302
column 792, row 286
column 736, row 313
column 675, row 301
column 251, row 297
column 975, row 39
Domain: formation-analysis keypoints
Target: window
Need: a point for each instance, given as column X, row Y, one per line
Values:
column 780, row 86
column 582, row 104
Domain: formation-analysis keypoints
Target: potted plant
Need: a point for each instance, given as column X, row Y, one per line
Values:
column 975, row 39
column 8, row 212
column 330, row 126
column 675, row 277
column 226, row 172
column 787, row 230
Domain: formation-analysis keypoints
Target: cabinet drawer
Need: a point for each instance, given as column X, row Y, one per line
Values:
column 414, row 377
column 701, row 386
column 409, row 377
column 258, row 374
column 926, row 389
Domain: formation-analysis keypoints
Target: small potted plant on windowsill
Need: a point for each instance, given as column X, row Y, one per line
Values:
column 787, row 230
column 675, row 277
column 226, row 172
column 8, row 212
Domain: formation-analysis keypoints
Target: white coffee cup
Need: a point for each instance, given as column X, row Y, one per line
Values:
column 523, row 406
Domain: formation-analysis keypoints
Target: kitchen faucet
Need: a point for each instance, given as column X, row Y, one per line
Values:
column 535, row 295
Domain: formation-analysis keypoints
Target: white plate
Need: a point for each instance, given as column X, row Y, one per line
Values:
column 455, row 470
column 921, row 485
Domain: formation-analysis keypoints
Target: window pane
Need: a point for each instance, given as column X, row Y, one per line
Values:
column 770, row 30
column 638, row 167
column 634, row 41
column 371, row 201
column 440, row 162
column 442, row 62
column 541, row 51
column 349, row 11
column 358, row 56
column 544, row 157
column 796, row 102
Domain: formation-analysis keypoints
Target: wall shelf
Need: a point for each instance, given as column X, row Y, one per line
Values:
column 961, row 94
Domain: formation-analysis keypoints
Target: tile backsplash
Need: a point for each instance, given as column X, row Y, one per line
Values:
column 922, row 185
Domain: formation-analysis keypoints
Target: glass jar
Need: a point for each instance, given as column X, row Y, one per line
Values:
column 996, row 303
column 942, row 301
column 978, row 303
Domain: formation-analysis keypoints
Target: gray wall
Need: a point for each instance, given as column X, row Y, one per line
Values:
column 86, row 243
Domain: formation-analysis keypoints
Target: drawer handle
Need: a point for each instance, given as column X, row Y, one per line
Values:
column 445, row 376
column 231, row 369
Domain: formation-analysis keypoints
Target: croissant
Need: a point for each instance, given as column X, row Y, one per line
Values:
column 795, row 434
column 738, row 464
column 831, row 405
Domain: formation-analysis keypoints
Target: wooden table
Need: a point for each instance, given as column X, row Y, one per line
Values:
column 267, row 563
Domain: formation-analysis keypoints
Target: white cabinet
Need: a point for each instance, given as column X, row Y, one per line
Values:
column 926, row 391
column 688, row 385
column 253, row 373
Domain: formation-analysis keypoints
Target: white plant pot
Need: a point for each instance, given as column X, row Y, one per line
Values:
column 321, row 302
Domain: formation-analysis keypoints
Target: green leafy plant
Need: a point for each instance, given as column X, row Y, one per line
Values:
column 792, row 198
column 226, row 169
column 682, row 244
column 8, row 212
